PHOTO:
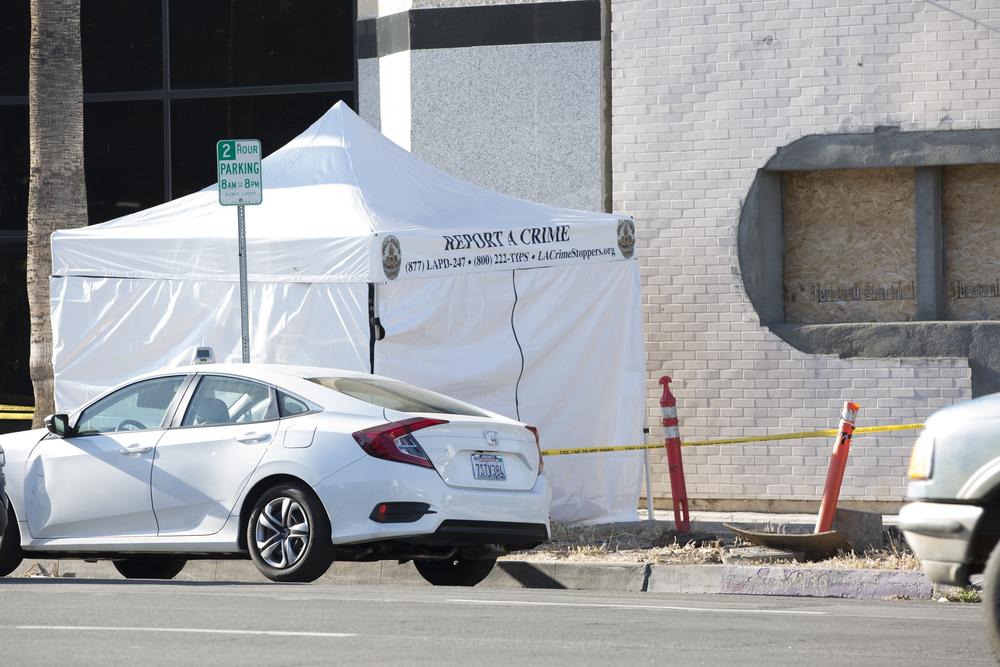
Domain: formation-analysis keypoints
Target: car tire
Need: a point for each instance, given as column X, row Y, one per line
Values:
column 288, row 535
column 154, row 567
column 10, row 545
column 455, row 571
column 991, row 601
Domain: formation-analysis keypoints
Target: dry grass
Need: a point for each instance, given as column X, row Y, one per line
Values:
column 644, row 542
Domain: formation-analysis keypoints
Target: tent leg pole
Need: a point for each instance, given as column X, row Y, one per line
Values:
column 651, row 514
column 372, row 333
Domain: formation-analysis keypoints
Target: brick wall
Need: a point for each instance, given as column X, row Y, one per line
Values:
column 704, row 93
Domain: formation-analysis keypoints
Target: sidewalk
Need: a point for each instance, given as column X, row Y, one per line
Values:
column 714, row 520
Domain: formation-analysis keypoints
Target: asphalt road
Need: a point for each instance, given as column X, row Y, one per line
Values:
column 71, row 622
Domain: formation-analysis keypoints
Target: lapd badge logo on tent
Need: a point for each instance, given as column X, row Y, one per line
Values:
column 626, row 237
column 392, row 257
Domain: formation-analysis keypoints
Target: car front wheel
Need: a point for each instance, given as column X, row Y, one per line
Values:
column 455, row 571
column 158, row 567
column 288, row 535
column 991, row 601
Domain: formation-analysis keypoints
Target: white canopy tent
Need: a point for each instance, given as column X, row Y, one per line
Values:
column 525, row 309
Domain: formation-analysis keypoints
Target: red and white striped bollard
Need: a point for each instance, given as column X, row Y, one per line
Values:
column 672, row 435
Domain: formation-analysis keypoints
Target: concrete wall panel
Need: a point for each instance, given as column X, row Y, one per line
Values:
column 522, row 119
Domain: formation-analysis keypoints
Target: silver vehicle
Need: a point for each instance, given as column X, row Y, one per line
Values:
column 953, row 525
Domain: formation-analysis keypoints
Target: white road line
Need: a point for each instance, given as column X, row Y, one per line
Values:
column 202, row 631
column 715, row 610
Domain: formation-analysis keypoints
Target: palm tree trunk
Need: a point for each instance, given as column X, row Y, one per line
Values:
column 57, row 196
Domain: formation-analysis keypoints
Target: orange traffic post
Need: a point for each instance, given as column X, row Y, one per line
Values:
column 838, row 463
column 678, row 489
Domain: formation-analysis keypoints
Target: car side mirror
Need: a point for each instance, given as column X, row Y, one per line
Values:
column 58, row 424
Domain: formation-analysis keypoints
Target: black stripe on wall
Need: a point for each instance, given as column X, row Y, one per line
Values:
column 493, row 25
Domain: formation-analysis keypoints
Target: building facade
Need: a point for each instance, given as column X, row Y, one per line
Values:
column 813, row 181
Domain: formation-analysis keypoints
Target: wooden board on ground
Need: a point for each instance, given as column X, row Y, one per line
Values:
column 813, row 546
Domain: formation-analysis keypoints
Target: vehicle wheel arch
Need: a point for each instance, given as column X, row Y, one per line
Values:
column 14, row 515
column 987, row 530
column 11, row 510
column 259, row 488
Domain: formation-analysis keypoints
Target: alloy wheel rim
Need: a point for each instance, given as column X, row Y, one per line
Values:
column 282, row 533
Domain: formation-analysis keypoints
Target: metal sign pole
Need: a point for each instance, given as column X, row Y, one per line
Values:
column 244, row 307
column 238, row 163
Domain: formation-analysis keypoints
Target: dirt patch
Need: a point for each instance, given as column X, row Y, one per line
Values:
column 658, row 542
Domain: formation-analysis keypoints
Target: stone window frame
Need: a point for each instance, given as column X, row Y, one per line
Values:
column 761, row 247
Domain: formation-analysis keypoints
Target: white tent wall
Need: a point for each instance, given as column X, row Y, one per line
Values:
column 437, row 330
column 110, row 329
column 584, row 382
column 583, row 375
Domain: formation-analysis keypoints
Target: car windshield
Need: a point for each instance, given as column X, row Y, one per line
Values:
column 399, row 396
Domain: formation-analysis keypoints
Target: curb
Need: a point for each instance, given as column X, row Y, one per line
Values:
column 790, row 581
column 562, row 575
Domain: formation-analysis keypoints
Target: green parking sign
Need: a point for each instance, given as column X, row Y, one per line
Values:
column 238, row 164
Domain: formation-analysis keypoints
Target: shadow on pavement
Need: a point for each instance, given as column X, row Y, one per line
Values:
column 528, row 575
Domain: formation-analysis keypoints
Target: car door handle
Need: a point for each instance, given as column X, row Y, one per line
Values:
column 251, row 438
column 136, row 449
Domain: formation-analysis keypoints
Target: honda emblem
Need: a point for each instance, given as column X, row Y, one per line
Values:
column 492, row 438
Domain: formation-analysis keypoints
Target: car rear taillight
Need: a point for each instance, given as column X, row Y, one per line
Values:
column 538, row 444
column 395, row 441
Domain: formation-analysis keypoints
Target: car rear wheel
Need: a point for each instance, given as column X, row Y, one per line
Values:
column 991, row 601
column 288, row 535
column 10, row 546
column 155, row 567
column 455, row 571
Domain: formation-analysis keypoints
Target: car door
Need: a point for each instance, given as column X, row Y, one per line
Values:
column 203, row 464
column 94, row 483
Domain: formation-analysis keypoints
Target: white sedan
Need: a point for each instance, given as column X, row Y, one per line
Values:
column 292, row 466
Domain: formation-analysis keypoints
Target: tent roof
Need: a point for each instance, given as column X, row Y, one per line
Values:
column 329, row 194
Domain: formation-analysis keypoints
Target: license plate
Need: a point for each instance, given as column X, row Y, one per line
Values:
column 489, row 467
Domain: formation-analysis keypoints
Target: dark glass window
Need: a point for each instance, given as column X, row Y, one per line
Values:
column 289, row 406
column 15, row 382
column 123, row 152
column 15, row 27
column 137, row 407
column 13, row 167
column 260, row 42
column 396, row 395
column 121, row 45
column 227, row 400
column 274, row 119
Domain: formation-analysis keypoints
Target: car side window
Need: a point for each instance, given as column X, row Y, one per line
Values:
column 137, row 407
column 225, row 400
column 290, row 406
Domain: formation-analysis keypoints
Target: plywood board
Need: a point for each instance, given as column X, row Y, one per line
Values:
column 850, row 246
column 970, row 211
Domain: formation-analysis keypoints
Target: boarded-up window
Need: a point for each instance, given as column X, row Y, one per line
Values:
column 850, row 250
column 970, row 209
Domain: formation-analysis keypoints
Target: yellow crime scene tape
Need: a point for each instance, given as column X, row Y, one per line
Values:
column 800, row 435
column 25, row 413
